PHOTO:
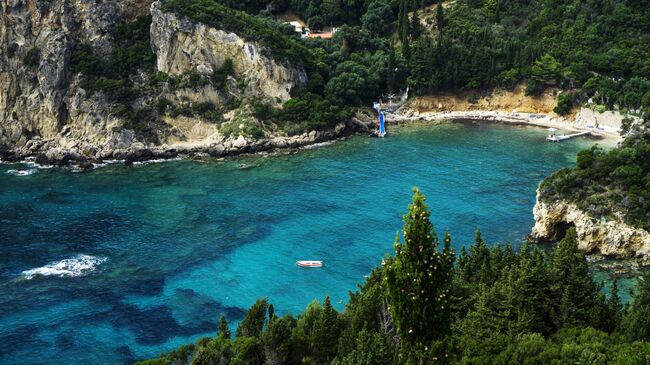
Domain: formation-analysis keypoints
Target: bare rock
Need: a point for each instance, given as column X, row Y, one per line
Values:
column 608, row 238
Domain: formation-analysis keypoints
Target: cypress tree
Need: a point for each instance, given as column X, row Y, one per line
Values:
column 415, row 25
column 404, row 28
column 224, row 331
column 614, row 306
column 326, row 332
column 390, row 74
column 253, row 322
column 420, row 66
column 440, row 20
column 418, row 279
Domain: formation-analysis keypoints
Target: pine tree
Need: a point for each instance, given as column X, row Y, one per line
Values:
column 636, row 321
column 574, row 283
column 326, row 332
column 420, row 66
column 224, row 331
column 253, row 322
column 277, row 339
column 418, row 279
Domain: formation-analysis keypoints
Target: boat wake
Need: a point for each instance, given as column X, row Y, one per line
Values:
column 80, row 265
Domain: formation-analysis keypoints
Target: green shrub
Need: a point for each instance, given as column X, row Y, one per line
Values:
column 534, row 87
column 600, row 108
column 565, row 102
column 310, row 112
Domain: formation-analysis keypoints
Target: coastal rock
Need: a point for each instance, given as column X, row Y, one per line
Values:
column 182, row 45
column 607, row 238
column 46, row 113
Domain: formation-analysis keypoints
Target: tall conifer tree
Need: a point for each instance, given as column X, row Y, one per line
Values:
column 418, row 279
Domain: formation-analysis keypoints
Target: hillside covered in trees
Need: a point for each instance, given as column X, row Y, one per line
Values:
column 597, row 51
column 428, row 305
column 608, row 183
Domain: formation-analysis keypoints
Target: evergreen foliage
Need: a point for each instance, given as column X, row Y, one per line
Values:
column 224, row 331
column 418, row 279
column 608, row 183
column 496, row 306
column 253, row 322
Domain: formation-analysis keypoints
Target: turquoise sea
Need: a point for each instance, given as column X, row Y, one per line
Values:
column 123, row 263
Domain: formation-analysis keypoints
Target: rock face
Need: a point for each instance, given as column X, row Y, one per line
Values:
column 43, row 106
column 181, row 46
column 39, row 95
column 611, row 238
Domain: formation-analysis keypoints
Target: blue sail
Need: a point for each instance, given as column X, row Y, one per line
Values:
column 382, row 127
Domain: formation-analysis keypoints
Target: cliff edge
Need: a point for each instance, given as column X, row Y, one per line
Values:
column 108, row 79
column 611, row 238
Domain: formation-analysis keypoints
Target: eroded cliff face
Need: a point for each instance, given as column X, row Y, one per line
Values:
column 183, row 46
column 608, row 238
column 45, row 110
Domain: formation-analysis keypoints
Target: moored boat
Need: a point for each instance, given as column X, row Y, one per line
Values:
column 310, row 263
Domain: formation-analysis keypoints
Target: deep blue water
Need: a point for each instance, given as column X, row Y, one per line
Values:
column 171, row 246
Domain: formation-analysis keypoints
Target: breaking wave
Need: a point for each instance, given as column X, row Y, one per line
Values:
column 80, row 265
column 21, row 172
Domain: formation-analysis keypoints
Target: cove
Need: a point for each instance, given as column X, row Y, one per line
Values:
column 123, row 263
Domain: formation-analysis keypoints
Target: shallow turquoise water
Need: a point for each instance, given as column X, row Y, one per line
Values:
column 171, row 246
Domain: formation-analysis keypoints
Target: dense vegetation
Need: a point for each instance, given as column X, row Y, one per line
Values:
column 274, row 38
column 597, row 51
column 600, row 48
column 606, row 183
column 426, row 305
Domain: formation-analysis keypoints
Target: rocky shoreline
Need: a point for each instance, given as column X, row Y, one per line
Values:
column 611, row 238
column 85, row 156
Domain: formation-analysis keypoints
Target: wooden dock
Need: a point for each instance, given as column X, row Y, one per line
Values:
column 554, row 138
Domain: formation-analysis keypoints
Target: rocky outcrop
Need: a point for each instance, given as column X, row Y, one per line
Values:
column 46, row 114
column 608, row 238
column 182, row 46
column 40, row 97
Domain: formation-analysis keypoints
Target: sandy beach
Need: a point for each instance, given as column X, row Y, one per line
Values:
column 608, row 134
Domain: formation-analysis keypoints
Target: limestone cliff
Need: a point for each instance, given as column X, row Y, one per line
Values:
column 183, row 46
column 611, row 238
column 38, row 94
column 46, row 110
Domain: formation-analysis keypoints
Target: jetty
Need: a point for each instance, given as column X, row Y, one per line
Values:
column 555, row 138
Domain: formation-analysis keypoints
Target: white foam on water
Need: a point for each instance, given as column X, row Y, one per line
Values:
column 34, row 164
column 80, row 265
column 159, row 160
column 21, row 172
column 318, row 145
